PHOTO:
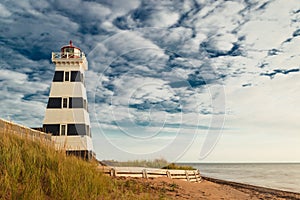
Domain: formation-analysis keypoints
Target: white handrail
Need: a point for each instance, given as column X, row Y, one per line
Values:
column 60, row 55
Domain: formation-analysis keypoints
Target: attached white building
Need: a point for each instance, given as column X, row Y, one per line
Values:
column 67, row 117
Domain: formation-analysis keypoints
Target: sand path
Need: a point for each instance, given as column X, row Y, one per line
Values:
column 177, row 189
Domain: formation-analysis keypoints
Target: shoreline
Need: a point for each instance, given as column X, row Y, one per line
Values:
column 260, row 189
column 211, row 188
column 206, row 188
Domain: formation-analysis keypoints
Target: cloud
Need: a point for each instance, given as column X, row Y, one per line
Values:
column 257, row 34
column 276, row 100
column 220, row 45
column 286, row 58
column 22, row 100
column 163, row 19
column 149, row 14
column 4, row 11
column 214, row 18
column 121, row 8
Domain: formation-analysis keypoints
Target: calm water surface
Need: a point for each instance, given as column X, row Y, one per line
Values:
column 278, row 176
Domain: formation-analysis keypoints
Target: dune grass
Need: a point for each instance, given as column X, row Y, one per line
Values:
column 33, row 170
column 156, row 163
column 180, row 167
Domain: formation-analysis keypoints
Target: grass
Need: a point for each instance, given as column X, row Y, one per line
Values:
column 181, row 167
column 156, row 163
column 33, row 170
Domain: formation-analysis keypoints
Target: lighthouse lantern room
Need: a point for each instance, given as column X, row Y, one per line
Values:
column 67, row 117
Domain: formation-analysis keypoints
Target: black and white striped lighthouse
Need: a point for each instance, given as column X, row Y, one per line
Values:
column 67, row 117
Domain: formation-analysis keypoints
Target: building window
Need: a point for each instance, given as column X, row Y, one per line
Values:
column 68, row 53
column 88, row 130
column 65, row 102
column 76, row 102
column 81, row 77
column 85, row 105
column 54, row 103
column 76, row 76
column 52, row 128
column 58, row 76
column 76, row 129
column 67, row 76
column 63, row 129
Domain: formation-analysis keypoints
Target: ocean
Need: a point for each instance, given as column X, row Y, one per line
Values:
column 278, row 176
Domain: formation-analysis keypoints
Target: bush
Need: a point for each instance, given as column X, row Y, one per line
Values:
column 174, row 166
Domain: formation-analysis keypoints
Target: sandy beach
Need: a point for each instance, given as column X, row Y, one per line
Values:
column 178, row 189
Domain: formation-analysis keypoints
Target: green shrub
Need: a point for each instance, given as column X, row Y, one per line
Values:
column 182, row 167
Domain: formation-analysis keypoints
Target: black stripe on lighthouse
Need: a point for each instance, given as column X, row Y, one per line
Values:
column 74, row 102
column 72, row 129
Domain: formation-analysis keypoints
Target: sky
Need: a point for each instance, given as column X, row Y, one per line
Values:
column 189, row 81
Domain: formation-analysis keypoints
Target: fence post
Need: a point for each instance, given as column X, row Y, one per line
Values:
column 169, row 175
column 113, row 172
column 145, row 173
column 200, row 178
column 187, row 175
column 196, row 175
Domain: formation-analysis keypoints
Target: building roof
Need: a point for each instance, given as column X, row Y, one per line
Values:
column 70, row 46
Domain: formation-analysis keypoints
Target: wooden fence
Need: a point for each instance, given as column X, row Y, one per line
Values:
column 140, row 172
column 12, row 128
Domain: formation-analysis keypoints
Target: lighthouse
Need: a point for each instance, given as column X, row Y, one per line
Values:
column 67, row 116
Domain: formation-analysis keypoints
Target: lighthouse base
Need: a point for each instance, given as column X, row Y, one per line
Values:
column 87, row 155
column 80, row 146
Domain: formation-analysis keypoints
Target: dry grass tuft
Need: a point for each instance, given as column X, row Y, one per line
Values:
column 33, row 170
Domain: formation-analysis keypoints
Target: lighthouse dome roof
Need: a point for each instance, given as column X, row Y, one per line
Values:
column 70, row 46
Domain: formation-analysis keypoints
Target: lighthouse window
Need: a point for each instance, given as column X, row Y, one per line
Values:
column 85, row 105
column 88, row 130
column 76, row 76
column 65, row 102
column 70, row 50
column 76, row 129
column 58, row 76
column 63, row 130
column 54, row 103
column 76, row 102
column 68, row 53
column 51, row 128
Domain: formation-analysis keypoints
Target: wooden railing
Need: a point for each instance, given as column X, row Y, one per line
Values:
column 140, row 172
column 67, row 55
column 12, row 128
